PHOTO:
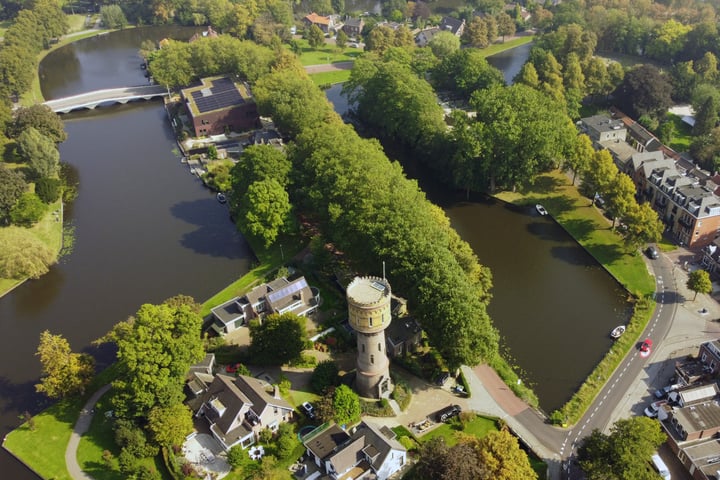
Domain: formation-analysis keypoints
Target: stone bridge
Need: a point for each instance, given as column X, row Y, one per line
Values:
column 109, row 96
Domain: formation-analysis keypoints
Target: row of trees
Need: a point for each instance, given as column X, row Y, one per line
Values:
column 30, row 138
column 32, row 30
column 367, row 209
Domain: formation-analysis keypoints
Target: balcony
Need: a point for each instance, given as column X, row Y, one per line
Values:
column 686, row 222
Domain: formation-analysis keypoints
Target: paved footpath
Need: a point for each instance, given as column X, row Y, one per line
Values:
column 81, row 426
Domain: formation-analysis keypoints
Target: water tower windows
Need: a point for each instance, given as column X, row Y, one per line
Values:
column 379, row 347
column 372, row 359
column 371, row 321
column 363, row 348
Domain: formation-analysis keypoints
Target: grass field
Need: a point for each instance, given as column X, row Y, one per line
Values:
column 49, row 231
column 683, row 134
column 588, row 226
column 501, row 47
column 330, row 78
column 478, row 427
column 44, row 447
column 327, row 53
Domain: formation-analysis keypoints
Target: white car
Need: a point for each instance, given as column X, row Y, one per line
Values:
column 653, row 409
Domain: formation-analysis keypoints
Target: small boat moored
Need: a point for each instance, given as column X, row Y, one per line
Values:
column 221, row 197
column 541, row 210
column 617, row 331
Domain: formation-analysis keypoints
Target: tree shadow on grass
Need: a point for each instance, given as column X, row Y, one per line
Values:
column 573, row 256
column 606, row 254
column 543, row 183
column 579, row 228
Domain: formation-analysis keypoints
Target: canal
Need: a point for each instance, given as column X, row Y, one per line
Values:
column 145, row 229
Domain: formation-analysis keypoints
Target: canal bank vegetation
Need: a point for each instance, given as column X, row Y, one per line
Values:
column 33, row 186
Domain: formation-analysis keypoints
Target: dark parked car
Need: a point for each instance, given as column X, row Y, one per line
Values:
column 448, row 412
column 652, row 252
column 308, row 410
column 442, row 378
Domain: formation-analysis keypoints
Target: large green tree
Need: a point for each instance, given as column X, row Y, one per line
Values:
column 28, row 210
column 277, row 339
column 264, row 211
column 112, row 16
column 40, row 117
column 644, row 91
column 346, row 406
column 17, row 69
column 315, row 36
column 258, row 163
column 155, row 350
column 64, row 373
column 522, row 134
column 170, row 425
column 23, row 255
column 444, row 43
column 12, row 186
column 464, row 72
column 39, row 152
column 495, row 456
column 624, row 452
column 642, row 226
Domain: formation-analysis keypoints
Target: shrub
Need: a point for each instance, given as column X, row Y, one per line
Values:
column 28, row 210
column 48, row 189
column 402, row 395
column 265, row 435
column 235, row 456
column 408, row 443
column 286, row 441
column 324, row 375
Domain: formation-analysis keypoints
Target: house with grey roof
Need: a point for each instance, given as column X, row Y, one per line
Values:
column 687, row 204
column 279, row 296
column 424, row 37
column 452, row 25
column 238, row 408
column 353, row 26
column 367, row 451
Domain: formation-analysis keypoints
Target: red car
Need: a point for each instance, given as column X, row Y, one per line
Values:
column 645, row 347
column 232, row 368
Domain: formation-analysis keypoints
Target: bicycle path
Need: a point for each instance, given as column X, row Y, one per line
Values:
column 81, row 426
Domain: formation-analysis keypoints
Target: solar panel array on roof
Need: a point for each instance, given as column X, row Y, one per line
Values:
column 222, row 94
column 287, row 291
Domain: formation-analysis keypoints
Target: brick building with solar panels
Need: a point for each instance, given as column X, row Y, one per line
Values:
column 219, row 104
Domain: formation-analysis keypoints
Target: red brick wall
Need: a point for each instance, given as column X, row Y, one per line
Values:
column 242, row 117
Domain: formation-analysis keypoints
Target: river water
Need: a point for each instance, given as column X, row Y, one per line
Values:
column 145, row 229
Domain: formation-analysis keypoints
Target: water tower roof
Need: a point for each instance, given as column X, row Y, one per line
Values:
column 368, row 290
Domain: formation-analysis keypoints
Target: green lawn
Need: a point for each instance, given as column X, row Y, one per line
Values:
column 76, row 22
column 44, row 447
column 588, row 226
column 501, row 47
column 683, row 134
column 478, row 427
column 330, row 78
column 49, row 231
column 325, row 54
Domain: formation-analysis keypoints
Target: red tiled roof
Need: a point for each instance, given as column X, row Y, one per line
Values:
column 315, row 18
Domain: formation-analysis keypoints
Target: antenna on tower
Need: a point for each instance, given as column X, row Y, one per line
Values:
column 383, row 270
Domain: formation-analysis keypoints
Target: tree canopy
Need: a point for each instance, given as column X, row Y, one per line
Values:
column 155, row 350
column 23, row 255
column 12, row 186
column 64, row 373
column 699, row 282
column 277, row 339
column 621, row 454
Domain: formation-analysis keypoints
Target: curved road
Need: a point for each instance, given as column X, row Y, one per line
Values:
column 624, row 391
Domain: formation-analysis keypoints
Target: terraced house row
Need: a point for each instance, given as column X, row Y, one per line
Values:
column 686, row 197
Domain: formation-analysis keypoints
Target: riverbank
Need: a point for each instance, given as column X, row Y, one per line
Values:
column 49, row 230
column 593, row 232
